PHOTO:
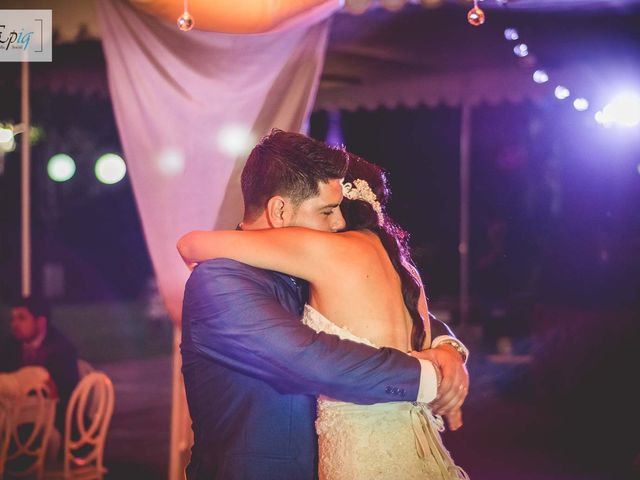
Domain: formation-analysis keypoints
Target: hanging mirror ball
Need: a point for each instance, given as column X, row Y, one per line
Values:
column 475, row 17
column 185, row 22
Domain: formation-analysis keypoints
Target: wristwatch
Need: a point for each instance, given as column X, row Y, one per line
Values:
column 456, row 344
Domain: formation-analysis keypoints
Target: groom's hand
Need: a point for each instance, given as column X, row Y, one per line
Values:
column 455, row 379
column 454, row 419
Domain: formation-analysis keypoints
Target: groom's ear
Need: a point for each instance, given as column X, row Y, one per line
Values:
column 277, row 211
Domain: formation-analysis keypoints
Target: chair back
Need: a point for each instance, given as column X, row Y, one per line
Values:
column 5, row 431
column 86, row 423
column 29, row 423
column 84, row 368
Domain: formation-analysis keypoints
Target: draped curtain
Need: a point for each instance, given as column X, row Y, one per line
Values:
column 175, row 92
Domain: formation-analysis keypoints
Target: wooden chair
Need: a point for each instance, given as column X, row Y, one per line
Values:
column 86, row 423
column 84, row 368
column 29, row 425
column 5, row 431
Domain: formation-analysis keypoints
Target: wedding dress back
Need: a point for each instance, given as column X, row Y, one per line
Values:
column 396, row 440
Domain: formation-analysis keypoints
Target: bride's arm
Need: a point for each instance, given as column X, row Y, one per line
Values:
column 300, row 252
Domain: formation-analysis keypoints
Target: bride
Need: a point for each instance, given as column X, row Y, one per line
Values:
column 364, row 269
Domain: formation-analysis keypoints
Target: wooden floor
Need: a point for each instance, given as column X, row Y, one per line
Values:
column 138, row 440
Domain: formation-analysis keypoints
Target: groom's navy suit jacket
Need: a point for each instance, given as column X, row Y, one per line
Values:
column 251, row 371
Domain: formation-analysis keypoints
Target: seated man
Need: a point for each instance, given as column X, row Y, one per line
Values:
column 34, row 341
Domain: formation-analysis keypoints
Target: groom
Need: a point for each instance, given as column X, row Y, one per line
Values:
column 251, row 368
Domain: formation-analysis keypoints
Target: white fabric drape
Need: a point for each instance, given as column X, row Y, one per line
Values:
column 173, row 92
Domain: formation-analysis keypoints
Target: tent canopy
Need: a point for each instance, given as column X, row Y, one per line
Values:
column 421, row 56
column 416, row 55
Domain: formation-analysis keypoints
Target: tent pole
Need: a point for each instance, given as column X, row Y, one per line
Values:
column 180, row 440
column 463, row 246
column 25, row 182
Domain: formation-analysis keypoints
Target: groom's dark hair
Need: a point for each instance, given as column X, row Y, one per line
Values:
column 288, row 164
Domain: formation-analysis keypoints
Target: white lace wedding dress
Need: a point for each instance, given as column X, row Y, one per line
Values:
column 397, row 440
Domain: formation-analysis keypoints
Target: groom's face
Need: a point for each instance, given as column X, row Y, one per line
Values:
column 321, row 212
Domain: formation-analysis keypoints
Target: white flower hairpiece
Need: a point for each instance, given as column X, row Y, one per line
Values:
column 360, row 190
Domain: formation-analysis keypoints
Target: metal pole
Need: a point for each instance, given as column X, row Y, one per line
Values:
column 26, row 183
column 463, row 246
column 181, row 438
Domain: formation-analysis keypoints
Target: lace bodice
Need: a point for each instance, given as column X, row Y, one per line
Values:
column 384, row 441
column 320, row 323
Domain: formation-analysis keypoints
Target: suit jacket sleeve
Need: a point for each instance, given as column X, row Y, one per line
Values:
column 234, row 319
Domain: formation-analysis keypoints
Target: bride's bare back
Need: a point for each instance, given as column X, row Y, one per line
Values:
column 352, row 280
column 361, row 290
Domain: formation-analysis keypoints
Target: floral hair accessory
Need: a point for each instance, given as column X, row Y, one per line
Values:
column 360, row 190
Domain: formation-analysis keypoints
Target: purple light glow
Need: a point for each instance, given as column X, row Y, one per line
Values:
column 623, row 110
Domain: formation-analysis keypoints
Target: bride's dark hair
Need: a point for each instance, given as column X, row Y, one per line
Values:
column 360, row 215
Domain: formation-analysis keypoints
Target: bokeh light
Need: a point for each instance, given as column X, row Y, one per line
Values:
column 110, row 168
column 511, row 34
column 61, row 167
column 9, row 145
column 561, row 92
column 235, row 139
column 540, row 76
column 581, row 104
column 623, row 110
column 521, row 50
column 6, row 134
column 171, row 162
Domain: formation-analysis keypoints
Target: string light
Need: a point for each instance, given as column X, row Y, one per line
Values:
column 581, row 104
column 186, row 21
column 511, row 34
column 540, row 76
column 521, row 50
column 561, row 92
column 475, row 16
